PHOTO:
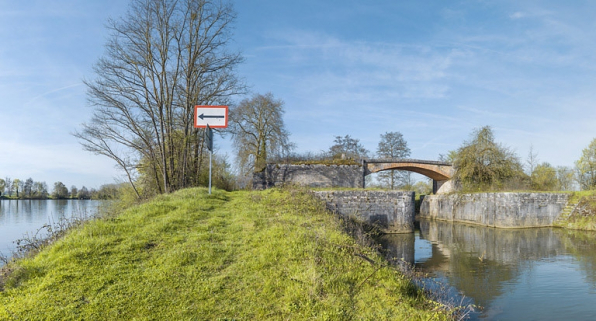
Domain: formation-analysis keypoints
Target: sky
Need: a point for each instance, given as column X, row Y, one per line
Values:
column 432, row 70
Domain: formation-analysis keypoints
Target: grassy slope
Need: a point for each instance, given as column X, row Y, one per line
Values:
column 584, row 217
column 190, row 256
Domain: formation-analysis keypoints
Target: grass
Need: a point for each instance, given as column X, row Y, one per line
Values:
column 581, row 211
column 272, row 255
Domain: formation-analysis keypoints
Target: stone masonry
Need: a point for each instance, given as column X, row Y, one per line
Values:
column 506, row 210
column 390, row 211
column 325, row 176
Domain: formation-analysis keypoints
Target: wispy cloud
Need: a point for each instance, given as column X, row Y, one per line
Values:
column 360, row 71
column 32, row 100
column 517, row 15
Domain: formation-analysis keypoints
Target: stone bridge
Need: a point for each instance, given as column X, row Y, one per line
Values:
column 351, row 176
column 440, row 172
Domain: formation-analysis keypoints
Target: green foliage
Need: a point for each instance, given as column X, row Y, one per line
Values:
column 60, row 191
column 544, row 178
column 581, row 211
column 272, row 255
column 449, row 158
column 586, row 167
column 482, row 164
column 424, row 187
column 2, row 186
column 17, row 186
column 565, row 178
column 109, row 192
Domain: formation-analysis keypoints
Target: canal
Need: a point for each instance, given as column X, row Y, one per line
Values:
column 21, row 217
column 513, row 274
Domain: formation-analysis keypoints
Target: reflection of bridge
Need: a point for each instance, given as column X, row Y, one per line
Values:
column 440, row 172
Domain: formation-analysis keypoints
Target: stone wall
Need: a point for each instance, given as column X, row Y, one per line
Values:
column 390, row 211
column 507, row 210
column 351, row 176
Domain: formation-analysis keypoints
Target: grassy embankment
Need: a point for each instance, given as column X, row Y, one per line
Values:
column 190, row 256
column 580, row 213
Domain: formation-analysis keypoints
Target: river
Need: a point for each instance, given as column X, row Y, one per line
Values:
column 20, row 217
column 513, row 274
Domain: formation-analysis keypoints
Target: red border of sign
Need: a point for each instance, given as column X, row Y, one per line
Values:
column 205, row 126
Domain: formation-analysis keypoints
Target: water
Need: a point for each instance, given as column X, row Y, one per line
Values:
column 514, row 274
column 18, row 217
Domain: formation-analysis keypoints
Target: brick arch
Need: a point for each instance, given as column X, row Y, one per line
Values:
column 437, row 171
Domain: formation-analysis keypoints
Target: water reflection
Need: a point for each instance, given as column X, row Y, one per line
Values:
column 399, row 246
column 540, row 273
column 18, row 217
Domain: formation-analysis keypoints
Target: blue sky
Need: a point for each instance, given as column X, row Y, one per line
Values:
column 432, row 70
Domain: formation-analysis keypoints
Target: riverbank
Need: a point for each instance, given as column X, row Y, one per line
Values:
column 275, row 254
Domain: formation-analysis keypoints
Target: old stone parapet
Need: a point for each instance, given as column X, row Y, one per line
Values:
column 390, row 211
column 506, row 210
column 318, row 176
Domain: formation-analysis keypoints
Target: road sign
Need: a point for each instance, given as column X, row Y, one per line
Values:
column 214, row 116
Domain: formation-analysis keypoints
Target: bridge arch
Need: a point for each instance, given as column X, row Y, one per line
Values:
column 439, row 172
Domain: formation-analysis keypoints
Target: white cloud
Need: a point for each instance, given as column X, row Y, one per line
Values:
column 517, row 15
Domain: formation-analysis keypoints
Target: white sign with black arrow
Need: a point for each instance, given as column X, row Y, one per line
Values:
column 210, row 117
column 214, row 116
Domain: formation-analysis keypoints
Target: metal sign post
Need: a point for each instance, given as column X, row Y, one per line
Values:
column 209, row 141
column 210, row 117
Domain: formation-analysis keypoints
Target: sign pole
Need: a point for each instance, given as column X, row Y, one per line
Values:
column 209, row 138
column 210, row 155
column 210, row 117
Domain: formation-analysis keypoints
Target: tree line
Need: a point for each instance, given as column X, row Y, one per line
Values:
column 30, row 189
column 482, row 164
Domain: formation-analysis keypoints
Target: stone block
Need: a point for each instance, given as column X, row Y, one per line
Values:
column 390, row 211
column 506, row 210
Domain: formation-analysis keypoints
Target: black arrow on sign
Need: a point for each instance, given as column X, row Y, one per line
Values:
column 203, row 116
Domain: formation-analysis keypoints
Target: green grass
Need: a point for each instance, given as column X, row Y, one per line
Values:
column 272, row 255
column 580, row 213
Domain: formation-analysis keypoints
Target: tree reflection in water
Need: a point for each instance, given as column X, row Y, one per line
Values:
column 493, row 266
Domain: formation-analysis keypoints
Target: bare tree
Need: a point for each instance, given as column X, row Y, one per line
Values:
column 40, row 190
column 347, row 147
column 532, row 160
column 9, row 186
column 163, row 58
column 2, row 186
column 259, row 132
column 28, row 188
column 392, row 146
